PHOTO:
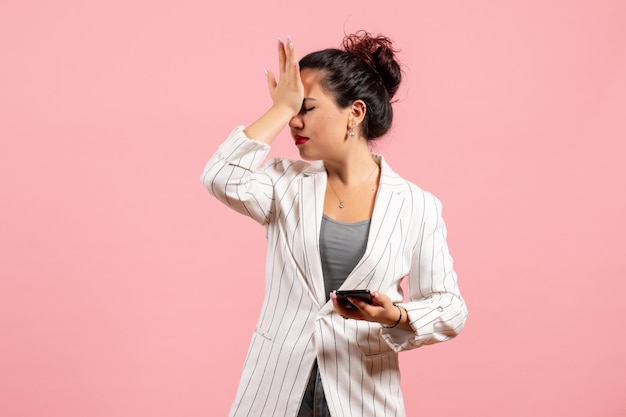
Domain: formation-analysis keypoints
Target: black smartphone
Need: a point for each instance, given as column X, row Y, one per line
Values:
column 342, row 297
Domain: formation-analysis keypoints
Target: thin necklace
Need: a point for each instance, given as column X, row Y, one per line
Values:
column 341, row 202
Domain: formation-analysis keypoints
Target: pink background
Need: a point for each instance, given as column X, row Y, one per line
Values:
column 126, row 290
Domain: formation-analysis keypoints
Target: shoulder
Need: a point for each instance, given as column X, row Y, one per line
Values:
column 421, row 199
column 424, row 201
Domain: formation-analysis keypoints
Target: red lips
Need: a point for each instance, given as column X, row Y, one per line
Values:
column 300, row 139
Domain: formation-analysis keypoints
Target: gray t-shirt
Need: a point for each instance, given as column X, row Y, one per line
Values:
column 341, row 247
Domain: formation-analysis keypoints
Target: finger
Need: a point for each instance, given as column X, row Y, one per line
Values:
column 339, row 308
column 358, row 303
column 282, row 57
column 271, row 81
column 290, row 50
column 380, row 299
column 295, row 66
column 363, row 310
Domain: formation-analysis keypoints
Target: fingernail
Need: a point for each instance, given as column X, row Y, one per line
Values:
column 265, row 71
column 279, row 41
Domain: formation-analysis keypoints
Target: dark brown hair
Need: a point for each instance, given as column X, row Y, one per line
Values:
column 364, row 69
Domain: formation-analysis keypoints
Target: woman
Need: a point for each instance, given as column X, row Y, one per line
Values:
column 340, row 219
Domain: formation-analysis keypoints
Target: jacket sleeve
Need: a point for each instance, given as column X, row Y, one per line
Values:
column 437, row 312
column 233, row 175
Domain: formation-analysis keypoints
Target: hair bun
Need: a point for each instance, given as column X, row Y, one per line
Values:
column 377, row 52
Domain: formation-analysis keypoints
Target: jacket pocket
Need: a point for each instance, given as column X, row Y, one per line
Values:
column 264, row 334
column 380, row 354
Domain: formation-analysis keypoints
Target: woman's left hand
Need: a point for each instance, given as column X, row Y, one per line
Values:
column 382, row 310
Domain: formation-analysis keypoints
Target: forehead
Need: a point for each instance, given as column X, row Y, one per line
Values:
column 311, row 80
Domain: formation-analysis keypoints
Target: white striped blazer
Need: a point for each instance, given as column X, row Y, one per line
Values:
column 357, row 360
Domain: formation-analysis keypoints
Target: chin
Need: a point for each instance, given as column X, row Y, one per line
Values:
column 305, row 157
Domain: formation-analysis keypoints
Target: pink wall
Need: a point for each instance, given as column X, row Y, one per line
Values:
column 122, row 290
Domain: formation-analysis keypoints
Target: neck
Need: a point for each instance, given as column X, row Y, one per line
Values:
column 353, row 168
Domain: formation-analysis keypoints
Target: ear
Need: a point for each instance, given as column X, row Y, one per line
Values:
column 357, row 112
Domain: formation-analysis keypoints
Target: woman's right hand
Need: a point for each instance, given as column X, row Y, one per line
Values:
column 288, row 92
column 287, row 96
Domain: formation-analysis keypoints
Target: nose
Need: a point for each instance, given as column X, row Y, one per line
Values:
column 296, row 122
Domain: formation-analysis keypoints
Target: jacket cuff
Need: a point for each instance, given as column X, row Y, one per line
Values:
column 421, row 333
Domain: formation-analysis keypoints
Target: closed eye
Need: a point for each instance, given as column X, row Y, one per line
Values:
column 304, row 108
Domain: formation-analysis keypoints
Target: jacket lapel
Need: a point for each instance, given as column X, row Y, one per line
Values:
column 390, row 201
column 312, row 189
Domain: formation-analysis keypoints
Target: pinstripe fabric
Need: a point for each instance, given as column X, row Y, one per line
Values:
column 357, row 360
